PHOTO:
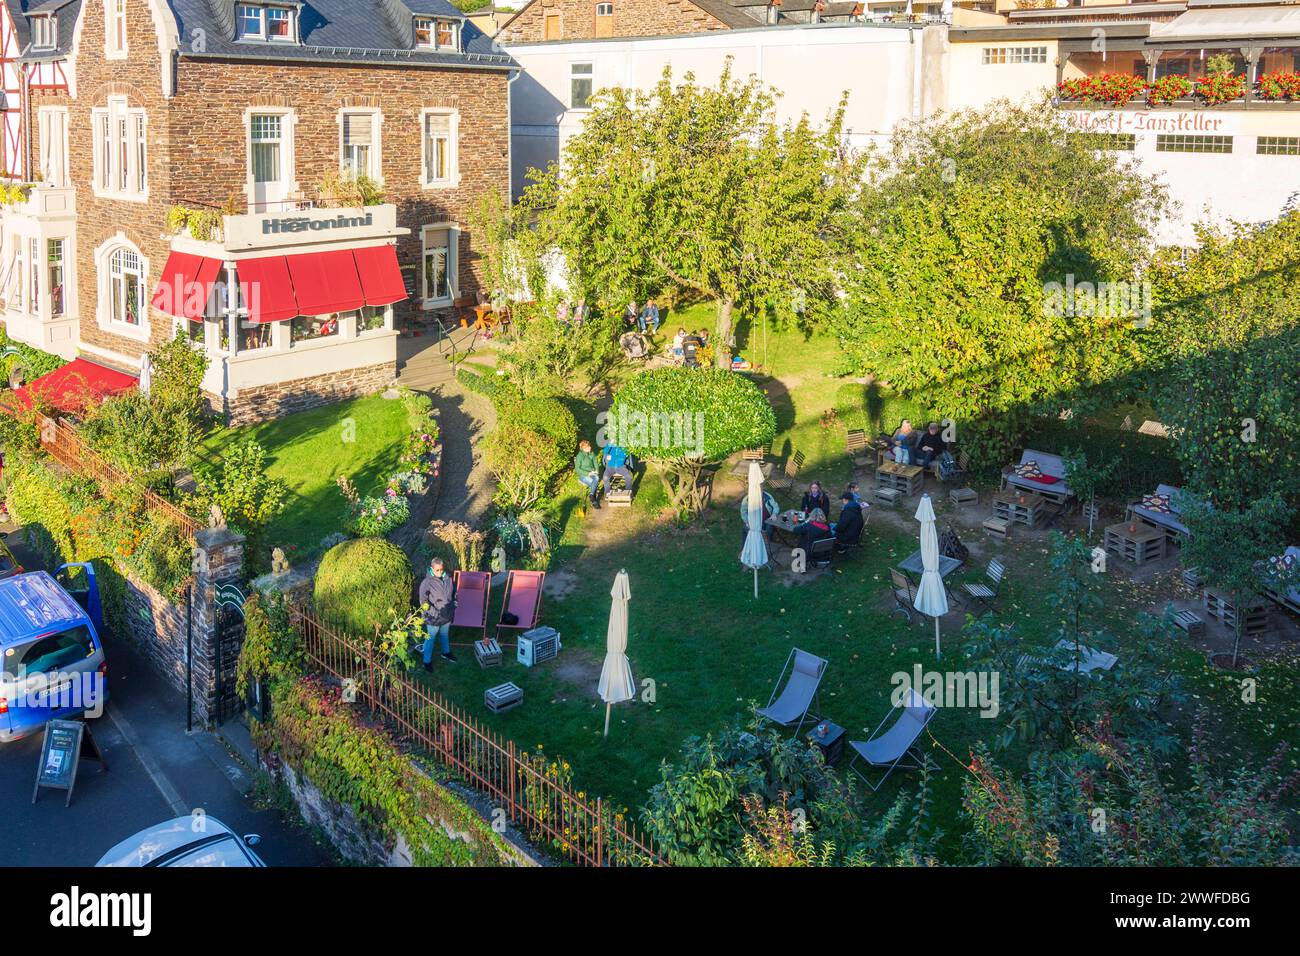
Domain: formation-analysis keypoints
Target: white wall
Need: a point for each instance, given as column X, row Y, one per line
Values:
column 812, row 66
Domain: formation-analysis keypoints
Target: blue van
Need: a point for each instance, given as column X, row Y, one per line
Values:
column 52, row 661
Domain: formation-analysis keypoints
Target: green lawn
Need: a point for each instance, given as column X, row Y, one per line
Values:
column 362, row 439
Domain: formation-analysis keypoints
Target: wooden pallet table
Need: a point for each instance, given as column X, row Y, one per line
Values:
column 1221, row 608
column 906, row 479
column 1135, row 542
column 1017, row 507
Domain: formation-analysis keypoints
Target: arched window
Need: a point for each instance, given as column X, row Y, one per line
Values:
column 125, row 288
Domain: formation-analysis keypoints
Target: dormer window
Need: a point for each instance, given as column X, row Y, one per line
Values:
column 437, row 34
column 45, row 32
column 272, row 24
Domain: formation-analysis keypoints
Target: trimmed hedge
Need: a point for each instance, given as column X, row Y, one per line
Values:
column 1146, row 460
column 361, row 584
column 545, row 416
column 496, row 388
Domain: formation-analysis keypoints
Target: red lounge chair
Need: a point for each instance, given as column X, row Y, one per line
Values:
column 523, row 599
column 473, row 590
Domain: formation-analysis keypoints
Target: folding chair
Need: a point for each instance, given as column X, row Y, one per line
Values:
column 473, row 591
column 787, row 478
column 799, row 693
column 822, row 552
column 855, row 443
column 984, row 593
column 523, row 599
column 904, row 596
column 890, row 749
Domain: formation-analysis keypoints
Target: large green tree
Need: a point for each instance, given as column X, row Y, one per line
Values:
column 977, row 226
column 699, row 190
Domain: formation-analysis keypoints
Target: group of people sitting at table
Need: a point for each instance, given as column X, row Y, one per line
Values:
column 816, row 508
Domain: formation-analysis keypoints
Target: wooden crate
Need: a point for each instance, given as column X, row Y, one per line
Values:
column 1009, row 507
column 1191, row 622
column 998, row 527
column 503, row 697
column 888, row 496
column 963, row 496
column 618, row 498
column 487, row 652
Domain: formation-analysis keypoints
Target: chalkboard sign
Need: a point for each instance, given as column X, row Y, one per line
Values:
column 66, row 742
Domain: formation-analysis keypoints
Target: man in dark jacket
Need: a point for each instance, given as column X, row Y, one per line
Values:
column 931, row 446
column 848, row 529
column 438, row 598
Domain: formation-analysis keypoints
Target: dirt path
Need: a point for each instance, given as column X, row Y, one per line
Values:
column 466, row 419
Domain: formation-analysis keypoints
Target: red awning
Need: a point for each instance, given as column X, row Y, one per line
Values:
column 186, row 285
column 326, row 282
column 76, row 386
column 268, row 289
column 381, row 277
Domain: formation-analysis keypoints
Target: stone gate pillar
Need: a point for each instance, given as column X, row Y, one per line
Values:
column 219, row 560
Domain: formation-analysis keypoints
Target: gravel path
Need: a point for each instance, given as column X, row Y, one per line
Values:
column 466, row 418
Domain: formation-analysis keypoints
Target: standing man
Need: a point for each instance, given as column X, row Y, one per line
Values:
column 438, row 597
column 587, row 467
column 650, row 316
column 616, row 464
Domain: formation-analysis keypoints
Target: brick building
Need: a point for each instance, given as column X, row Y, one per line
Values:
column 556, row 20
column 198, row 165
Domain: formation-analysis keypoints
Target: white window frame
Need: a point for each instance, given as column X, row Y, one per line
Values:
column 239, row 22
column 452, row 177
column 288, row 134
column 433, row 34
column 453, row 264
column 263, row 34
column 290, row 16
column 376, row 171
column 104, row 255
column 45, row 32
column 115, row 25
column 1013, row 56
column 51, row 120
column 121, row 132
column 589, row 76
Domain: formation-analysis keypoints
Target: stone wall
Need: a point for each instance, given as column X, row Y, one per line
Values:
column 632, row 18
column 360, row 845
column 266, row 402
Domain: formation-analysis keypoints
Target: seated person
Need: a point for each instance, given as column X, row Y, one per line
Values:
column 617, row 462
column 770, row 510
column 815, row 498
column 848, row 529
column 931, row 446
column 814, row 529
column 587, row 467
column 902, row 451
column 678, row 344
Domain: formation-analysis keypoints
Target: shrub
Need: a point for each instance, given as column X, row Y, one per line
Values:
column 549, row 417
column 496, row 388
column 1147, row 460
column 33, row 362
column 361, row 584
column 375, row 517
column 248, row 498
column 522, row 461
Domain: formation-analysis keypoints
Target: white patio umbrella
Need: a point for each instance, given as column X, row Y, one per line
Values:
column 754, row 554
column 616, row 681
column 931, row 598
column 146, row 374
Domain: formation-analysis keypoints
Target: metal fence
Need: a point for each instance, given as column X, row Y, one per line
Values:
column 61, row 441
column 529, row 791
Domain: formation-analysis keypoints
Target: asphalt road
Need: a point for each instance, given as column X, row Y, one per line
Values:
column 156, row 771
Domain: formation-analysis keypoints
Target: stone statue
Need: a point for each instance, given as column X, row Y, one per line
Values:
column 279, row 563
column 216, row 520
